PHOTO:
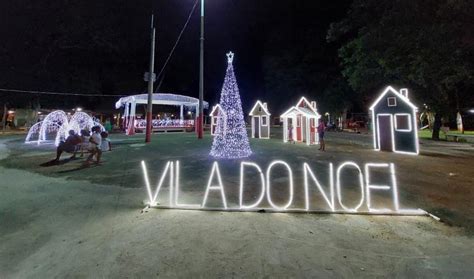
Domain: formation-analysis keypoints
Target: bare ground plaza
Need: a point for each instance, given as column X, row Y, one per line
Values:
column 237, row 139
column 70, row 221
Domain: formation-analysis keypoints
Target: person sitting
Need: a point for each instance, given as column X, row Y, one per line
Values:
column 70, row 145
column 94, row 146
column 105, row 145
column 85, row 136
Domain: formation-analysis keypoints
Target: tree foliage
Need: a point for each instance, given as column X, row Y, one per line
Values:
column 424, row 45
column 298, row 61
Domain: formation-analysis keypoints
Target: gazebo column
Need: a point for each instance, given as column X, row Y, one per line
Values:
column 133, row 109
column 181, row 113
column 130, row 127
column 125, row 115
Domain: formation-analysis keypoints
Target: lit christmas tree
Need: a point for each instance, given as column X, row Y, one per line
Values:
column 231, row 139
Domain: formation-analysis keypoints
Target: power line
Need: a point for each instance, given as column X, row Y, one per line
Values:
column 174, row 46
column 57, row 93
column 160, row 74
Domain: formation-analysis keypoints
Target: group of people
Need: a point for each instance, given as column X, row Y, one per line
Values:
column 94, row 143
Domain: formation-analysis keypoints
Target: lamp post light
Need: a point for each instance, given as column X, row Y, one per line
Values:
column 328, row 116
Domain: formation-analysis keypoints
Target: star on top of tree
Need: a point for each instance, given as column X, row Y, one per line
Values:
column 230, row 57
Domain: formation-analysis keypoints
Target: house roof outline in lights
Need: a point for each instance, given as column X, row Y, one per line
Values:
column 262, row 105
column 390, row 89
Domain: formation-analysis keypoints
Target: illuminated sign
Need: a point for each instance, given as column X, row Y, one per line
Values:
column 263, row 188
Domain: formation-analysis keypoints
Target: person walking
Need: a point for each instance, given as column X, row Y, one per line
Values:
column 290, row 133
column 321, row 129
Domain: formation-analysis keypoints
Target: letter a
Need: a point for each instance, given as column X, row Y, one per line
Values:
column 220, row 187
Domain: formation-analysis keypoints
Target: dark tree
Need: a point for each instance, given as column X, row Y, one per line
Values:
column 298, row 61
column 424, row 45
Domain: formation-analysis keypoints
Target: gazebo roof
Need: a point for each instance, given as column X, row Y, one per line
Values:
column 161, row 99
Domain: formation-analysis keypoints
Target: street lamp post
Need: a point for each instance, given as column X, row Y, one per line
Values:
column 200, row 111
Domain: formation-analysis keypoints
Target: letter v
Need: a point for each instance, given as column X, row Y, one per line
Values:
column 151, row 196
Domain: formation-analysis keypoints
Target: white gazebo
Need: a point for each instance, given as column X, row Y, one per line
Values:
column 130, row 103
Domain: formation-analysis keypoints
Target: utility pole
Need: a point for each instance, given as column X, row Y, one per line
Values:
column 200, row 113
column 151, row 79
column 4, row 118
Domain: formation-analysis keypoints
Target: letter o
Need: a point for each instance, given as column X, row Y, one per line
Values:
column 338, row 186
column 268, row 185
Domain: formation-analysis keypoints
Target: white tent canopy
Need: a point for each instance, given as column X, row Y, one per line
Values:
column 161, row 99
column 130, row 102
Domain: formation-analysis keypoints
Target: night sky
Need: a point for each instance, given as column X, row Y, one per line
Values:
column 102, row 47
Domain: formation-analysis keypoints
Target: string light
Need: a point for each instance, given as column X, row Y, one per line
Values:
column 154, row 197
column 172, row 169
column 338, row 186
column 231, row 140
column 215, row 114
column 262, row 187
column 290, row 178
column 58, row 123
column 220, row 187
column 370, row 187
column 329, row 200
column 79, row 121
column 304, row 114
column 51, row 123
column 259, row 115
column 411, row 118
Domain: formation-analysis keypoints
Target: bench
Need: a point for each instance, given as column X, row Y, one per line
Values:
column 456, row 137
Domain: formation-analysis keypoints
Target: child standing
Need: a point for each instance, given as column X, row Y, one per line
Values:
column 290, row 133
column 321, row 129
column 95, row 143
column 105, row 145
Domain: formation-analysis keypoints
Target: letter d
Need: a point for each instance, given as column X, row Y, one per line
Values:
column 262, row 185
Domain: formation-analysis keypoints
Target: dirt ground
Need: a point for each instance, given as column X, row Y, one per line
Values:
column 68, row 221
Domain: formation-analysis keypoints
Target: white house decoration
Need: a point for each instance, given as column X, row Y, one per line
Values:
column 260, row 121
column 300, row 122
column 216, row 112
column 394, row 122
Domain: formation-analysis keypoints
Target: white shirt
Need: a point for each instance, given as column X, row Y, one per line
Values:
column 85, row 142
column 104, row 146
column 97, row 139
